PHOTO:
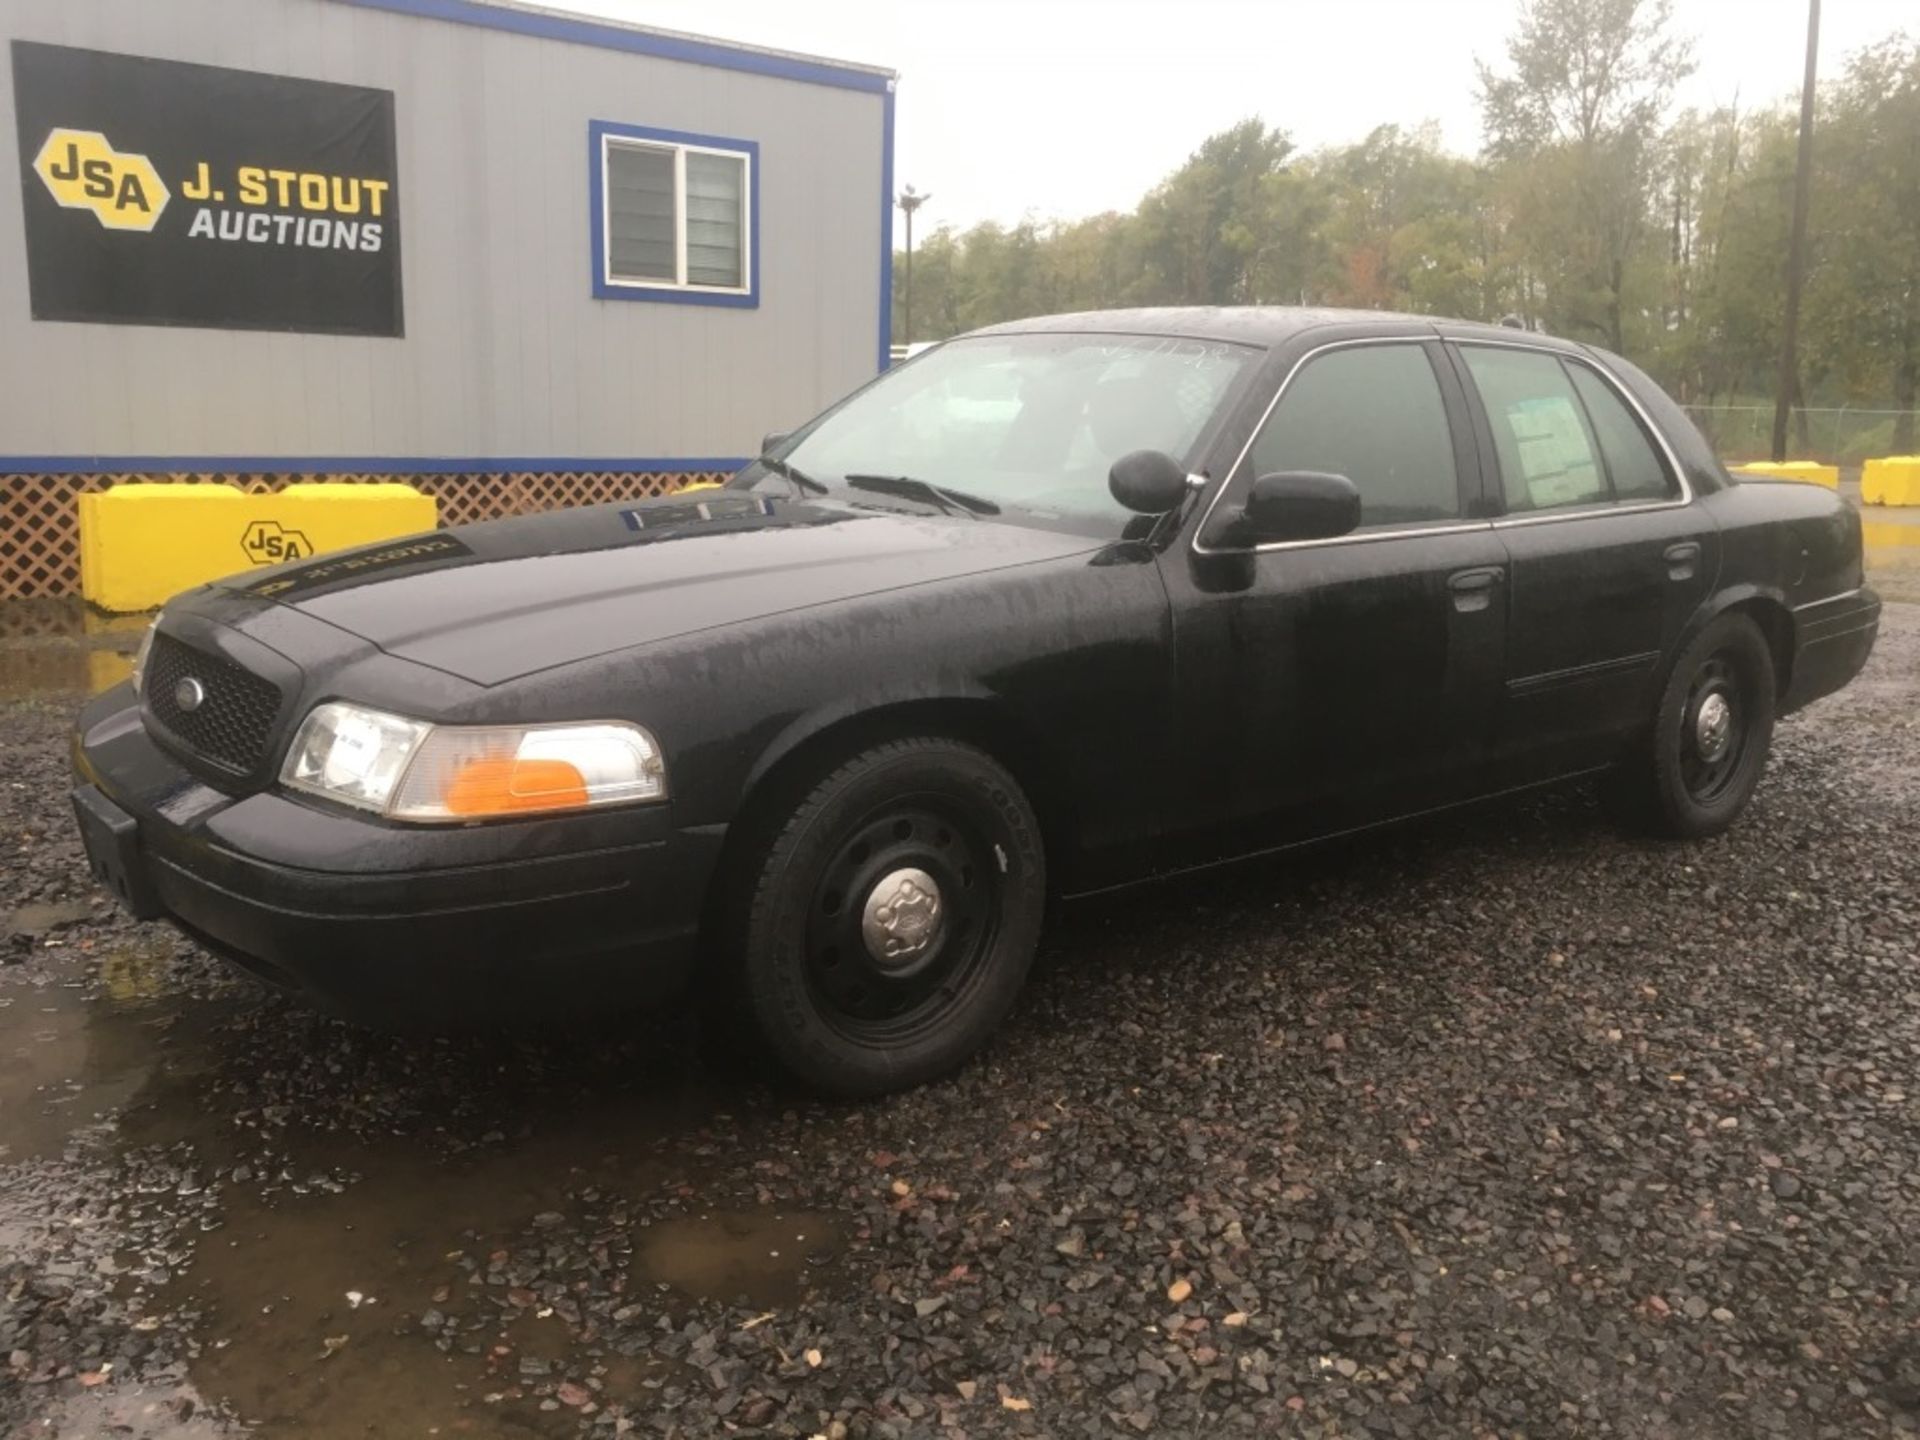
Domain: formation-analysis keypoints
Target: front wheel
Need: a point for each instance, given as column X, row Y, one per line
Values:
column 892, row 919
column 1711, row 732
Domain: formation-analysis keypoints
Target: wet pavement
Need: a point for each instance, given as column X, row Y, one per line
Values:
column 1506, row 1124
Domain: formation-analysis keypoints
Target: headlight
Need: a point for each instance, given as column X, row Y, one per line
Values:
column 410, row 770
column 140, row 657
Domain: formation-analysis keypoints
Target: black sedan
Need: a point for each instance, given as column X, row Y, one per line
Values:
column 1054, row 607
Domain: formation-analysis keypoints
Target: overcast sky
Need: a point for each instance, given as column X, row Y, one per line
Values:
column 1062, row 108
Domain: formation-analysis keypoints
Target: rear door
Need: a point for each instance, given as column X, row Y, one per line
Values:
column 1607, row 557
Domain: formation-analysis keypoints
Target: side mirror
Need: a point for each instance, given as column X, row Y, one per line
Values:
column 1148, row 481
column 1301, row 505
column 773, row 440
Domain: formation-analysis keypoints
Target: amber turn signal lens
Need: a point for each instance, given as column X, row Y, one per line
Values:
column 507, row 786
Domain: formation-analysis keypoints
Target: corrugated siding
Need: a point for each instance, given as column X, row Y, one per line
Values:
column 506, row 351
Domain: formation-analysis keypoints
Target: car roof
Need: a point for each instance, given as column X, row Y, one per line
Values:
column 1262, row 325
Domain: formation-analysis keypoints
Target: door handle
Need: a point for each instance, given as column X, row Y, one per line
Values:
column 1681, row 560
column 1473, row 589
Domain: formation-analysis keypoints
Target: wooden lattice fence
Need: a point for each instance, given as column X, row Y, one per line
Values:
column 39, row 514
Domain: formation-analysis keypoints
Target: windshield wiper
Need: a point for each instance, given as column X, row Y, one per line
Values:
column 799, row 479
column 951, row 501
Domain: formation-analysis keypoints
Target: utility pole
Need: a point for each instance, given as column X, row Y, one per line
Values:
column 1797, row 247
column 909, row 202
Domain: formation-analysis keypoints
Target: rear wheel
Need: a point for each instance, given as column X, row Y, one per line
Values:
column 1712, row 731
column 892, row 918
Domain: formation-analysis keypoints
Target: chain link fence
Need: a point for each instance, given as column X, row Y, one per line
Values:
column 1831, row 435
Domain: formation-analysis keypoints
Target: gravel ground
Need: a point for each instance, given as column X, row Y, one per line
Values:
column 1503, row 1125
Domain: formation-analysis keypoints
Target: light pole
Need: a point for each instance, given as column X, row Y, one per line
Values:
column 909, row 202
column 1797, row 245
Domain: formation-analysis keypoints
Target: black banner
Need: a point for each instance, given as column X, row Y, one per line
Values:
column 161, row 193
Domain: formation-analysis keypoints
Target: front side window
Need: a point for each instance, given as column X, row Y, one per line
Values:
column 674, row 215
column 1372, row 413
column 1030, row 424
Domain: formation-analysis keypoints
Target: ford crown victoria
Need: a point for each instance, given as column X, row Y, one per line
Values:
column 1053, row 607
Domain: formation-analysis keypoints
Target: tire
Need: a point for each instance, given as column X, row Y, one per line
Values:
column 1711, row 733
column 854, row 996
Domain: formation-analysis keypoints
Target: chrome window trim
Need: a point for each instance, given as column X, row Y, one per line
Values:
column 1362, row 537
column 1358, row 537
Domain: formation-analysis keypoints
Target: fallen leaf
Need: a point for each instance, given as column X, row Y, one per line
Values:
column 1014, row 1402
column 1179, row 1290
column 93, row 1377
column 330, row 1344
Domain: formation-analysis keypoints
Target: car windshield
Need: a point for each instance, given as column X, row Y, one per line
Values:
column 1022, row 427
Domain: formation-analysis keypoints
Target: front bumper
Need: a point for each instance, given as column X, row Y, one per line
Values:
column 390, row 924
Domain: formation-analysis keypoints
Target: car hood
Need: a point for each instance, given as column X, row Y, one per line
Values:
column 494, row 601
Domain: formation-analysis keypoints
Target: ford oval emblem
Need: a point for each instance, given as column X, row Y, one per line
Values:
column 189, row 694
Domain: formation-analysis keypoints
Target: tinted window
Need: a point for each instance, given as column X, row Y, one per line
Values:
column 1372, row 413
column 1632, row 462
column 1548, row 456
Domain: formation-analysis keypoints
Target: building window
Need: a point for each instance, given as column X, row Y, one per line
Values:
column 674, row 216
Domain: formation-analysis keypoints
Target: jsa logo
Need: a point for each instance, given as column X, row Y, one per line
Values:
column 85, row 172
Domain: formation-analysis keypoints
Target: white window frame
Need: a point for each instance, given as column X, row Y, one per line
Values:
column 679, row 151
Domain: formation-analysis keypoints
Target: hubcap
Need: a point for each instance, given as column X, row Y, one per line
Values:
column 901, row 920
column 1713, row 738
column 1713, row 726
column 904, row 915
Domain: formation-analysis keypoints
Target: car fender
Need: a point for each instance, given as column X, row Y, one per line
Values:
column 1776, row 622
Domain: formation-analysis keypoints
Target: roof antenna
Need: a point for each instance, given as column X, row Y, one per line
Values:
column 1511, row 321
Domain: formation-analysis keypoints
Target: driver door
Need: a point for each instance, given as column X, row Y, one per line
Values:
column 1326, row 684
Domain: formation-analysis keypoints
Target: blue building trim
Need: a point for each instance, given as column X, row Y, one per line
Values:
column 605, row 288
column 685, row 48
column 886, row 233
column 361, row 464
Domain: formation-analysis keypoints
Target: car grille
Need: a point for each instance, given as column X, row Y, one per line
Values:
column 232, row 726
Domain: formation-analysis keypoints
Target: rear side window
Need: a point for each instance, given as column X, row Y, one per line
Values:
column 1549, row 456
column 1372, row 413
column 1635, row 467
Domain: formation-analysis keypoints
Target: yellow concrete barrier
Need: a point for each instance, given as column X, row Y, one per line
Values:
column 141, row 544
column 1807, row 470
column 1892, row 480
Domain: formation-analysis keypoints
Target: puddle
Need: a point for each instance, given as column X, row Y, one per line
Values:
column 147, row 1413
column 762, row 1259
column 43, row 918
column 55, row 647
column 324, row 1236
column 68, row 1060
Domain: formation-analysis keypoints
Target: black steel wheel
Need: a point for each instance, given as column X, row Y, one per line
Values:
column 892, row 918
column 1712, row 731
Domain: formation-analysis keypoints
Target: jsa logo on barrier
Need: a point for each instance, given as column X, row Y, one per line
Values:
column 267, row 542
column 84, row 172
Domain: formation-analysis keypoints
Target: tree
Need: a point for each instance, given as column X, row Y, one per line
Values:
column 1571, row 123
column 1202, row 227
column 1585, row 214
column 1864, row 292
